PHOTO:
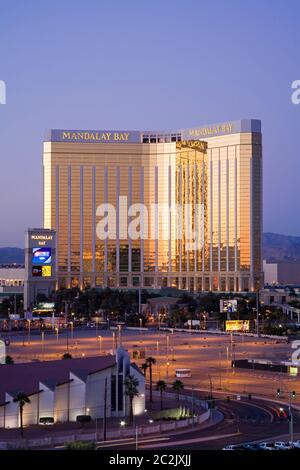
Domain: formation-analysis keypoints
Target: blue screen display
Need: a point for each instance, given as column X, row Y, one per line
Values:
column 41, row 256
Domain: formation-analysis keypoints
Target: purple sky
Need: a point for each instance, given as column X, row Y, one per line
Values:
column 146, row 65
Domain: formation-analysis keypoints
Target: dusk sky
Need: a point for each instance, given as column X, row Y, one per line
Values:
column 146, row 65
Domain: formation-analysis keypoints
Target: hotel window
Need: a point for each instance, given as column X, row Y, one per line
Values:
column 99, row 281
column 149, row 282
column 123, row 281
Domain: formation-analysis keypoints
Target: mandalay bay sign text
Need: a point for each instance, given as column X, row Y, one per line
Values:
column 94, row 136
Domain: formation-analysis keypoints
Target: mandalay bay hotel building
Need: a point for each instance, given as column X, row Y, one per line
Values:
column 155, row 209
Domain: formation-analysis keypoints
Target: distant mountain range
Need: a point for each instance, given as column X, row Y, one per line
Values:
column 281, row 247
column 11, row 256
column 275, row 248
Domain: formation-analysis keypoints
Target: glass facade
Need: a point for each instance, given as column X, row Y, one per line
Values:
column 183, row 209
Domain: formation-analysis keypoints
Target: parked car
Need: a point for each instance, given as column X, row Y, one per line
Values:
column 267, row 446
column 230, row 447
column 252, row 447
column 295, row 444
column 283, row 445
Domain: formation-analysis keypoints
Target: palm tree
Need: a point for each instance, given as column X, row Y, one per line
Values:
column 131, row 384
column 9, row 360
column 66, row 356
column 177, row 387
column 150, row 361
column 21, row 398
column 144, row 368
column 161, row 387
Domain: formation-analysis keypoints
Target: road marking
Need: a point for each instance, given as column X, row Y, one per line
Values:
column 191, row 441
column 140, row 441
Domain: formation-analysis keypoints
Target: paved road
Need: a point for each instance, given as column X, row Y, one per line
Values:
column 243, row 421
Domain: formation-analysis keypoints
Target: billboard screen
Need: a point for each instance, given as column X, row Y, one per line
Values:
column 41, row 271
column 41, row 256
column 44, row 307
column 237, row 325
column 229, row 306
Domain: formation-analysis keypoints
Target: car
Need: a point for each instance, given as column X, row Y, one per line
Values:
column 267, row 446
column 252, row 447
column 295, row 444
column 230, row 447
column 238, row 397
column 282, row 445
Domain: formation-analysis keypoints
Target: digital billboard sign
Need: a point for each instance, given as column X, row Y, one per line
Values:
column 229, row 306
column 41, row 271
column 237, row 325
column 41, row 256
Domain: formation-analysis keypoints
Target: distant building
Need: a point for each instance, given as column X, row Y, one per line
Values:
column 281, row 272
column 206, row 180
column 67, row 388
column 11, row 281
column 12, row 276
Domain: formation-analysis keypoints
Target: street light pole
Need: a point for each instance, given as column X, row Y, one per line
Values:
column 114, row 340
column 292, row 394
column 136, row 437
column 120, row 335
column 291, row 418
column 43, row 337
column 29, row 331
column 257, row 313
column 220, row 370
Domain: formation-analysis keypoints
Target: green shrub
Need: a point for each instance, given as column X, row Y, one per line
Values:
column 80, row 445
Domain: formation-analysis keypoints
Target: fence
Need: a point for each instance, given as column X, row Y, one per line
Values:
column 218, row 332
column 117, row 433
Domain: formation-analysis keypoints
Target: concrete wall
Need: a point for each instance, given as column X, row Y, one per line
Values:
column 77, row 397
column 95, row 387
column 61, row 402
column 46, row 405
column 139, row 403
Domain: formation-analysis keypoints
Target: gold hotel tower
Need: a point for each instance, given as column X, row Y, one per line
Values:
column 211, row 175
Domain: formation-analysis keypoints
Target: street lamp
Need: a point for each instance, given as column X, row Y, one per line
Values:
column 167, row 376
column 136, row 437
column 114, row 341
column 29, row 322
column 100, row 343
column 120, row 334
column 72, row 329
column 43, row 337
column 292, row 394
column 56, row 332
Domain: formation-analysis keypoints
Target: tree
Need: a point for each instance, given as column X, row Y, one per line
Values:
column 131, row 384
column 177, row 387
column 161, row 387
column 144, row 368
column 150, row 361
column 21, row 398
column 9, row 360
column 66, row 356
